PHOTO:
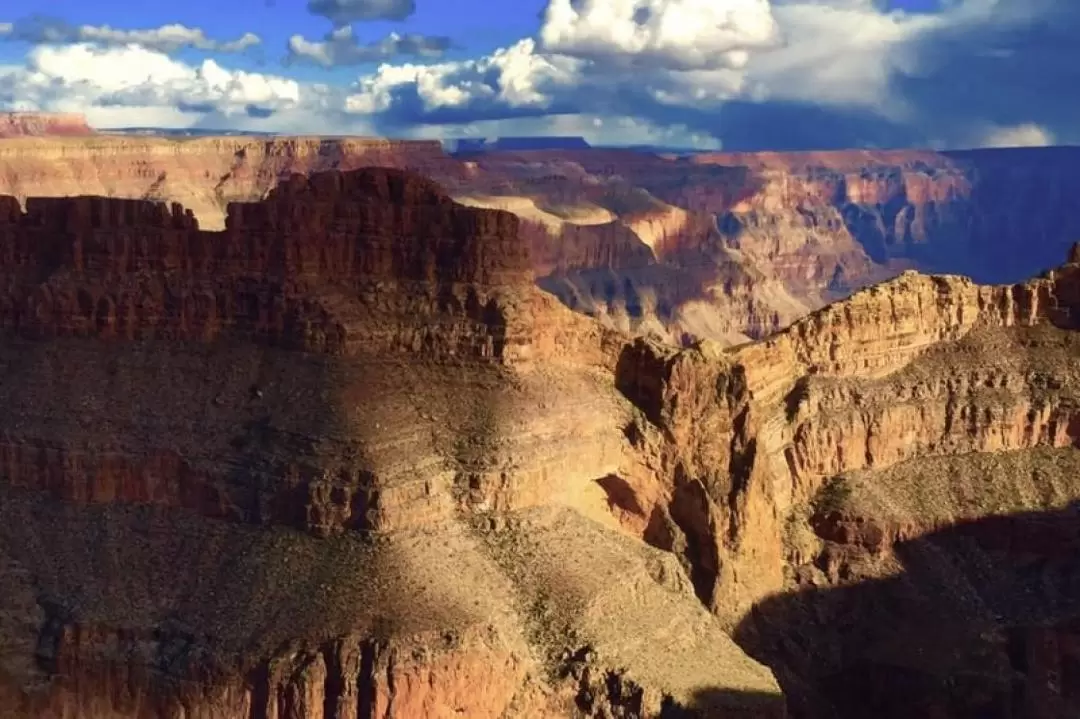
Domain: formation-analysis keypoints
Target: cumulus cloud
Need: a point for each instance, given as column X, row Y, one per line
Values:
column 511, row 82
column 793, row 74
column 167, row 38
column 341, row 48
column 1026, row 135
column 786, row 74
column 343, row 12
column 101, row 81
column 672, row 34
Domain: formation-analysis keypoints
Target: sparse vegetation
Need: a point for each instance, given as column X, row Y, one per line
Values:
column 833, row 495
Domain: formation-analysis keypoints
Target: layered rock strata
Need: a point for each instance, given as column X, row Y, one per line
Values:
column 39, row 124
column 715, row 246
column 813, row 476
column 340, row 459
column 203, row 174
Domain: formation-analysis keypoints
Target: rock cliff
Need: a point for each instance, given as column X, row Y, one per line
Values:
column 38, row 124
column 754, row 241
column 835, row 486
column 204, row 174
column 340, row 459
column 711, row 246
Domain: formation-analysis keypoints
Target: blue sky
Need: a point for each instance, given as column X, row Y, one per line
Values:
column 737, row 74
column 477, row 26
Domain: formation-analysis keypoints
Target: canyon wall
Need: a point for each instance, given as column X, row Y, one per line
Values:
column 997, row 215
column 744, row 244
column 727, row 247
column 387, row 462
column 203, row 174
column 339, row 459
column 803, row 481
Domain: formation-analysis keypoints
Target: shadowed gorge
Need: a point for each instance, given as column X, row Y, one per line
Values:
column 979, row 619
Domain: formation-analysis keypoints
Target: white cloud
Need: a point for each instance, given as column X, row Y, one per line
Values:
column 790, row 73
column 101, row 82
column 167, row 38
column 840, row 53
column 1026, row 135
column 513, row 78
column 672, row 34
column 341, row 47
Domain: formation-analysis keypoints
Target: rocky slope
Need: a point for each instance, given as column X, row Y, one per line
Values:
column 848, row 494
column 340, row 459
column 43, row 124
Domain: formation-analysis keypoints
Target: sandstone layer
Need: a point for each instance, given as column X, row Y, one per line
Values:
column 204, row 174
column 722, row 247
column 877, row 498
column 397, row 479
column 39, row 124
column 341, row 459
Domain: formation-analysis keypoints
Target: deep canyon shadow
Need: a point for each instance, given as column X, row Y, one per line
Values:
column 1014, row 222
column 982, row 623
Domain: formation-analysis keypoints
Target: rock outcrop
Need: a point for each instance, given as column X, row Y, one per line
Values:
column 340, row 459
column 343, row 458
column 43, row 124
column 819, row 481
column 762, row 239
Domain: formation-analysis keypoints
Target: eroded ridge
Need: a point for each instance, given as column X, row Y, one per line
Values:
column 339, row 459
column 857, row 467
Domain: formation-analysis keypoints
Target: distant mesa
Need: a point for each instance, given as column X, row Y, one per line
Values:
column 43, row 124
column 183, row 132
column 468, row 145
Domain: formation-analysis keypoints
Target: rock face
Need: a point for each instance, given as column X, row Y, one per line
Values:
column 343, row 458
column 995, row 215
column 204, row 174
column 713, row 246
column 43, row 124
column 876, row 499
column 746, row 244
column 338, row 460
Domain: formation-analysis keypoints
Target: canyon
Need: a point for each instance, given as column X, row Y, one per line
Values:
column 339, row 459
column 726, row 247
column 553, row 433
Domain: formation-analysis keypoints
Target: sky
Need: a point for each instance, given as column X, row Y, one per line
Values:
column 711, row 74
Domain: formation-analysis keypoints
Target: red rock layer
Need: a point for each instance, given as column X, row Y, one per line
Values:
column 43, row 124
column 130, row 269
